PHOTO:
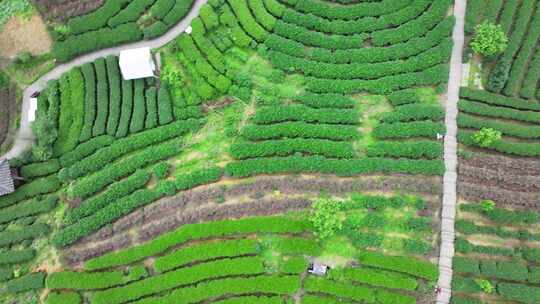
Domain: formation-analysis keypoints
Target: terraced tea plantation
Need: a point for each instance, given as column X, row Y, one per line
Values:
column 277, row 138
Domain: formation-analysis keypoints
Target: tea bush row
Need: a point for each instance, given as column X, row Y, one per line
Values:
column 300, row 129
column 284, row 147
column 342, row 167
column 506, row 128
column 403, row 50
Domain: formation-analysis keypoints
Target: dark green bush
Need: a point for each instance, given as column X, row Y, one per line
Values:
column 150, row 95
column 113, row 75
column 165, row 111
column 127, row 108
column 40, row 169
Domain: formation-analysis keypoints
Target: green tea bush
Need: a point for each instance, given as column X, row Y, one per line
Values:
column 33, row 170
column 115, row 99
column 506, row 128
column 276, row 114
column 318, row 164
column 84, row 281
column 376, row 277
column 160, row 8
column 89, row 101
column 519, row 292
column 273, row 224
column 498, row 112
column 28, row 208
column 179, row 11
column 151, row 120
column 85, row 149
column 124, row 146
column 157, row 29
column 413, row 112
column 131, row 13
column 14, row 236
column 182, row 276
column 63, row 298
column 356, row 9
column 205, row 251
column 105, row 37
column 300, row 129
column 165, row 111
column 412, row 266
column 126, row 109
column 36, row 187
column 318, row 39
column 358, row 293
column 327, row 148
column 115, row 192
column 94, row 183
column 96, row 19
column 414, row 28
column 503, row 146
column 102, row 109
column 27, row 282
column 247, row 20
column 416, row 149
column 408, row 130
column 11, row 257
column 429, row 58
column 326, row 101
column 139, row 108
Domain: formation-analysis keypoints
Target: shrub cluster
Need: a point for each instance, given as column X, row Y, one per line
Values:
column 498, row 112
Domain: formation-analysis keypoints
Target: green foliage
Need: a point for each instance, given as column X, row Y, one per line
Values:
column 325, row 217
column 489, row 39
column 485, row 285
column 34, row 170
column 486, row 137
column 12, row 8
column 113, row 75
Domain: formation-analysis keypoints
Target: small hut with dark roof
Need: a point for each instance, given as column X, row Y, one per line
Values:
column 6, row 179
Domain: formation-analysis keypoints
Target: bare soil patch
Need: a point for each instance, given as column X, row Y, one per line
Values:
column 21, row 36
column 61, row 10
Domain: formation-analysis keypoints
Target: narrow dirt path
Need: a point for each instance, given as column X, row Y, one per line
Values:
column 24, row 137
column 450, row 158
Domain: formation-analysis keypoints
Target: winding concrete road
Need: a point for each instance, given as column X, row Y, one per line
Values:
column 24, row 138
column 450, row 158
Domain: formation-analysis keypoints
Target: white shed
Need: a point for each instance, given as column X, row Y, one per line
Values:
column 32, row 108
column 136, row 63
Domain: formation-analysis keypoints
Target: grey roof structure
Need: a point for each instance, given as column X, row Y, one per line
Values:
column 6, row 180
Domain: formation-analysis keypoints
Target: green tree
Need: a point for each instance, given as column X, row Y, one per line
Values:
column 326, row 218
column 486, row 137
column 485, row 285
column 487, row 205
column 489, row 39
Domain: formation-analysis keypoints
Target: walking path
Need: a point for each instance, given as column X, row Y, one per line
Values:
column 24, row 137
column 450, row 158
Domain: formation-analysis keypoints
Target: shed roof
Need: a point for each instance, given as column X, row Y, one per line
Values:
column 6, row 180
column 136, row 63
